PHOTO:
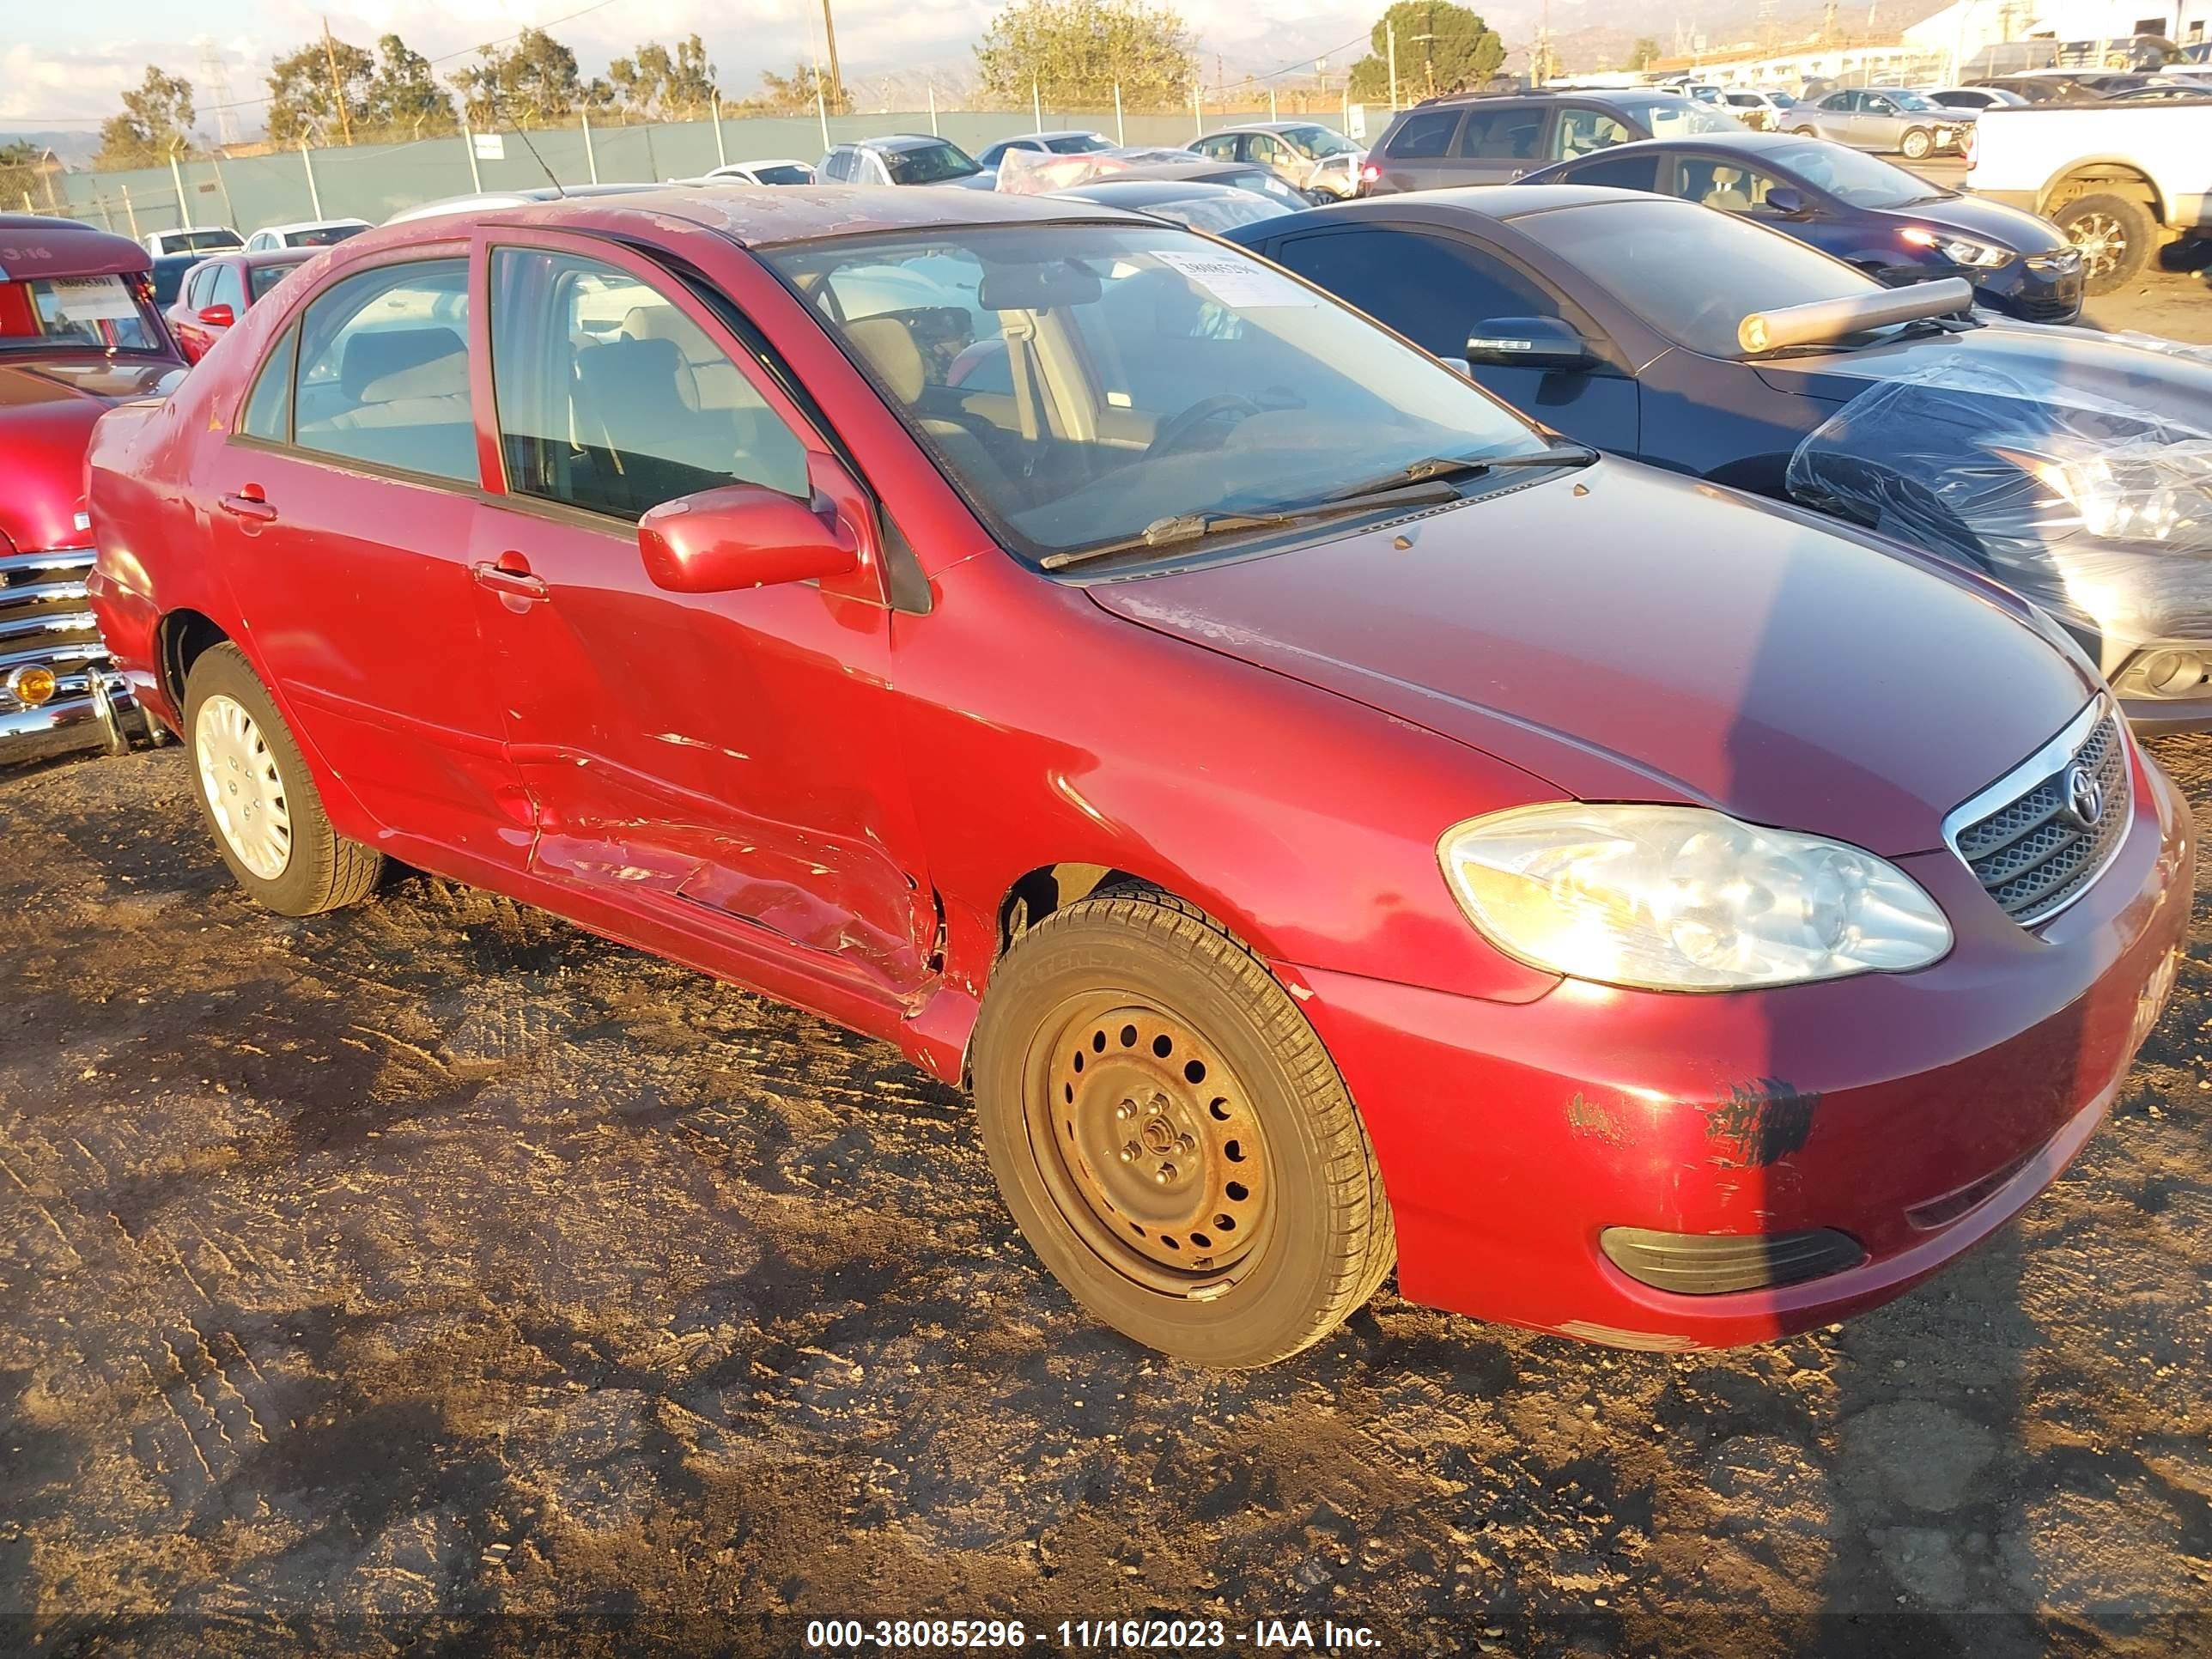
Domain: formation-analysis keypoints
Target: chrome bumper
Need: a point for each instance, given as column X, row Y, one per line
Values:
column 89, row 710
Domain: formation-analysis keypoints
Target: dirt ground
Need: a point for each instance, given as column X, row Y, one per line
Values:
column 434, row 1278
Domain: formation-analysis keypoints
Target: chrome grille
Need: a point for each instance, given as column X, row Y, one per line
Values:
column 47, row 622
column 2023, row 838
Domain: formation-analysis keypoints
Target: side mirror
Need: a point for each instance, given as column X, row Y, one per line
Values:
column 1528, row 343
column 1788, row 202
column 741, row 535
column 217, row 316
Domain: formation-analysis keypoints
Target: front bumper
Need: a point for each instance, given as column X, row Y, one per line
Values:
column 91, row 709
column 1916, row 1112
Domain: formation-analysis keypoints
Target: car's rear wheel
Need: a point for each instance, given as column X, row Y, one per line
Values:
column 258, row 797
column 1172, row 1138
column 2114, row 235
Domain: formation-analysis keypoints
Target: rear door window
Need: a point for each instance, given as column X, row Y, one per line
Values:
column 1636, row 172
column 1425, row 135
column 384, row 371
column 1513, row 133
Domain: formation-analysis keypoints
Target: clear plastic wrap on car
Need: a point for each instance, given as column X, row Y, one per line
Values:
column 2099, row 511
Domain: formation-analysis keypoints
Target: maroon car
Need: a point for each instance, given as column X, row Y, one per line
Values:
column 217, row 292
column 78, row 334
column 1326, row 821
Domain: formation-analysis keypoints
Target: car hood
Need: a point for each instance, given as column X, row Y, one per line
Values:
column 2154, row 377
column 1969, row 216
column 1628, row 636
column 46, row 415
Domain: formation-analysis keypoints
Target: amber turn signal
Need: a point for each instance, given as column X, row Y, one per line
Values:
column 32, row 686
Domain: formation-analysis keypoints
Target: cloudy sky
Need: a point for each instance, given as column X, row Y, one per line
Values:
column 62, row 64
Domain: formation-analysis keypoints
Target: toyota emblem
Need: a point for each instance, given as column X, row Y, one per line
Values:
column 2085, row 796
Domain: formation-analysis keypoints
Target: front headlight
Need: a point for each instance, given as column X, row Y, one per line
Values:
column 1683, row 899
column 1959, row 250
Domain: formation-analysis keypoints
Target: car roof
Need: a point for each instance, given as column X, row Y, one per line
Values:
column 304, row 224
column 32, row 245
column 1050, row 132
column 753, row 218
column 896, row 141
column 1139, row 193
column 1500, row 203
column 1545, row 95
column 1266, row 127
column 493, row 198
column 1745, row 139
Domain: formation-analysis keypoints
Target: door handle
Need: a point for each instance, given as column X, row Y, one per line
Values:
column 509, row 577
column 248, row 503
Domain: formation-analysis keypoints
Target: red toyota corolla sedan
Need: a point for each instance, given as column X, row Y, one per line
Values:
column 1325, row 820
column 217, row 292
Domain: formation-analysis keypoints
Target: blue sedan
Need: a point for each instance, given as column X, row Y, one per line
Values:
column 2074, row 466
column 1893, row 225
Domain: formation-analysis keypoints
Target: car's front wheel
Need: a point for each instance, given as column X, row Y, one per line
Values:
column 258, row 799
column 1916, row 144
column 1172, row 1138
column 2114, row 235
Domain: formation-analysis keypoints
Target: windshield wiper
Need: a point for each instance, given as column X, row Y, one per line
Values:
column 1197, row 526
column 1465, row 466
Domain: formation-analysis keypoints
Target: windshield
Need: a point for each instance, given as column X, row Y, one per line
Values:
column 1693, row 276
column 1082, row 144
column 788, row 173
column 1262, row 182
column 1080, row 382
column 195, row 241
column 86, row 313
column 1910, row 100
column 929, row 164
column 261, row 278
column 1319, row 142
column 1679, row 118
column 321, row 235
column 1854, row 177
column 1216, row 210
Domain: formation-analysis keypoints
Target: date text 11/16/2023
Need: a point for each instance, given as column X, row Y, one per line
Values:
column 1084, row 1635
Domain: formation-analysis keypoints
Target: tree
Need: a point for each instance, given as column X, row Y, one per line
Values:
column 404, row 96
column 303, row 99
column 1441, row 48
column 531, row 81
column 795, row 94
column 1074, row 52
column 658, row 85
column 19, row 173
column 1643, row 53
column 157, row 123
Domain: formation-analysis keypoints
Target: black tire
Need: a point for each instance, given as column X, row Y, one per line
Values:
column 2114, row 233
column 1916, row 143
column 1321, row 1242
column 323, row 870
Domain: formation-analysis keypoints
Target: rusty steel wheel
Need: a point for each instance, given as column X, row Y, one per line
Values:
column 1154, row 1138
column 1170, row 1135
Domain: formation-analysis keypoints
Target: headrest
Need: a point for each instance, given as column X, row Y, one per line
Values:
column 377, row 354
column 662, row 322
column 891, row 352
column 645, row 369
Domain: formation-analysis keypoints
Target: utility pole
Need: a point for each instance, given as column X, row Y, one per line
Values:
column 338, row 92
column 830, row 39
column 1390, row 41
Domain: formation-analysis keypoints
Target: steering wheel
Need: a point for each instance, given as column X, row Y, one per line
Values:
column 1179, row 427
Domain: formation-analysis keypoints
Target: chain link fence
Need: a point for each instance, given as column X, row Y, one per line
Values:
column 374, row 181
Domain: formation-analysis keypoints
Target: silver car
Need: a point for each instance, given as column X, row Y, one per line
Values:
column 1887, row 118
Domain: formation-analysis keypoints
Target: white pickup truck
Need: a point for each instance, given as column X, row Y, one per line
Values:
column 2120, row 180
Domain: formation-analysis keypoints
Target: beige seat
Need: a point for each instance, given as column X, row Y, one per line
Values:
column 1724, row 195
column 890, row 350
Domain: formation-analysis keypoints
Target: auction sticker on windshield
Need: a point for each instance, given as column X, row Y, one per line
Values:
column 1238, row 283
column 93, row 299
